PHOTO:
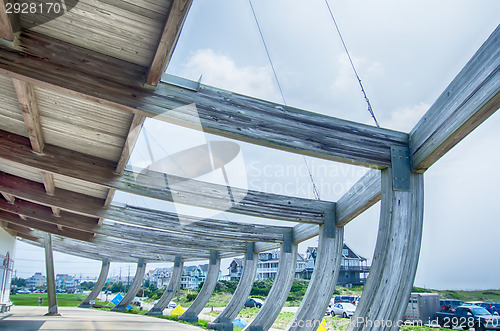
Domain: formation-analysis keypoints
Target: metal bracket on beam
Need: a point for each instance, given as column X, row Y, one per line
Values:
column 141, row 262
column 288, row 241
column 250, row 250
column 400, row 161
column 329, row 223
column 177, row 262
column 214, row 255
column 181, row 82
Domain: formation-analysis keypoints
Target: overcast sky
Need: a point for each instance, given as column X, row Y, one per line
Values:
column 406, row 53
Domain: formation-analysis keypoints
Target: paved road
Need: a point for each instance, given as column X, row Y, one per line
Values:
column 32, row 318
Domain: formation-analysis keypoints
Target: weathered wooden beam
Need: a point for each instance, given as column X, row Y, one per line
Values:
column 155, row 185
column 29, row 109
column 191, row 314
column 132, row 291
column 51, row 277
column 224, row 321
column 50, row 187
column 98, row 285
column 9, row 22
column 173, row 287
column 46, row 227
column 396, row 255
column 155, row 219
column 324, row 278
column 279, row 291
column 469, row 100
column 173, row 25
column 219, row 112
column 9, row 197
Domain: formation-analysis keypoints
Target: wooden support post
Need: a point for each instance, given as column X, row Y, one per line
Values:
column 98, row 285
column 51, row 281
column 9, row 23
column 395, row 260
column 173, row 286
column 132, row 291
column 225, row 319
column 279, row 292
column 191, row 314
column 324, row 278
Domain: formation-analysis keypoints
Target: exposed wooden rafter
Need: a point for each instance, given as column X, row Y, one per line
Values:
column 171, row 31
column 9, row 197
column 9, row 23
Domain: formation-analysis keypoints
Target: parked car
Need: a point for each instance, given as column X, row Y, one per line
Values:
column 346, row 298
column 492, row 307
column 467, row 317
column 23, row 291
column 252, row 302
column 171, row 304
column 343, row 309
column 450, row 305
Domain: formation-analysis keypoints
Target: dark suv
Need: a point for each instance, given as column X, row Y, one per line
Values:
column 450, row 305
column 253, row 303
column 346, row 298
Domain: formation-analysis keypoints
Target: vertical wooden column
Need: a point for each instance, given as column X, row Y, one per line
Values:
column 98, row 285
column 280, row 290
column 51, row 280
column 191, row 314
column 173, row 286
column 132, row 291
column 324, row 278
column 225, row 319
column 395, row 260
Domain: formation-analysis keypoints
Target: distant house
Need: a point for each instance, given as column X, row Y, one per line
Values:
column 37, row 280
column 65, row 280
column 353, row 267
column 192, row 276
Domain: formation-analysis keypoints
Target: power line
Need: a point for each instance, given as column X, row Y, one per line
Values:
column 370, row 109
column 267, row 52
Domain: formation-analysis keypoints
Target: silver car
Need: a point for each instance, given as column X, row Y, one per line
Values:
column 343, row 309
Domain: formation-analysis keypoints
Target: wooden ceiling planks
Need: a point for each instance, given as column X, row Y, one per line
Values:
column 11, row 119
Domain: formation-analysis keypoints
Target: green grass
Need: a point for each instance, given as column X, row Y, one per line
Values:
column 63, row 299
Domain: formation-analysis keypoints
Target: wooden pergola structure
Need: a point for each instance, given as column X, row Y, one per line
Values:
column 75, row 93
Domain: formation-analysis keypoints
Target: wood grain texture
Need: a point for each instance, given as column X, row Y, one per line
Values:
column 322, row 285
column 103, row 275
column 152, row 184
column 469, row 100
column 132, row 292
column 279, row 292
column 166, row 45
column 191, row 314
column 173, row 286
column 240, row 295
column 396, row 255
column 220, row 112
column 9, row 23
column 75, row 203
column 51, row 278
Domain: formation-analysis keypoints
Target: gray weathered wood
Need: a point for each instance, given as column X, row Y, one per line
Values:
column 191, row 314
column 224, row 320
column 173, row 287
column 396, row 255
column 220, row 112
column 152, row 184
column 469, row 100
column 98, row 285
column 156, row 219
column 51, row 279
column 132, row 291
column 9, row 23
column 278, row 293
column 322, row 285
column 171, row 31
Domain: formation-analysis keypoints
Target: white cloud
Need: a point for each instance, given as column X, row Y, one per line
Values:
column 220, row 70
column 404, row 119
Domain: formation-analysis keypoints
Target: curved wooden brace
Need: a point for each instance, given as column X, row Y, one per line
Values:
column 395, row 260
column 173, row 286
column 225, row 319
column 191, row 314
column 136, row 284
column 98, row 285
column 279, row 291
column 322, row 285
